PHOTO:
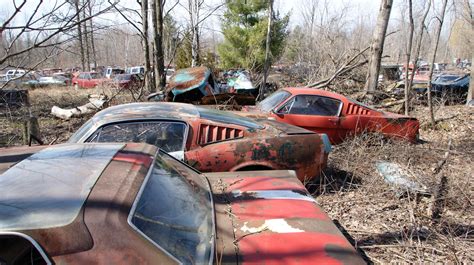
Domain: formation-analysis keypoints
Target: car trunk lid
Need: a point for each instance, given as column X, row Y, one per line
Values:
column 269, row 217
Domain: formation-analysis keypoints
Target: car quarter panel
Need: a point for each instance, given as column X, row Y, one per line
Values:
column 274, row 221
column 303, row 153
column 107, row 209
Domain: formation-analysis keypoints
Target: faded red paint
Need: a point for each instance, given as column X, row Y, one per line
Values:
column 292, row 248
column 138, row 160
column 262, row 209
column 263, row 183
column 353, row 119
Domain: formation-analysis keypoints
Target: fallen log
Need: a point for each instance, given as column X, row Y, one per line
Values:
column 96, row 102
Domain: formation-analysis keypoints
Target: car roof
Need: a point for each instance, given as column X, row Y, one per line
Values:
column 146, row 110
column 314, row 91
column 49, row 188
column 168, row 111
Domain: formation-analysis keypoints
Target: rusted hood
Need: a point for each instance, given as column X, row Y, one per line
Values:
column 256, row 114
column 268, row 217
column 184, row 80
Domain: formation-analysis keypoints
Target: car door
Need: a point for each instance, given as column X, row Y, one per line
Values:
column 170, row 136
column 312, row 112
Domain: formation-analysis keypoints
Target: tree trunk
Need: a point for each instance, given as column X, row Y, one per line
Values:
column 433, row 59
column 94, row 54
column 86, row 36
column 157, row 16
column 194, row 16
column 418, row 46
column 146, row 46
column 470, row 93
column 267, row 50
column 377, row 44
column 408, row 53
column 79, row 34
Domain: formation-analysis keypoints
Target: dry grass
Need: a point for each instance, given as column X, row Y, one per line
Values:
column 386, row 227
column 389, row 228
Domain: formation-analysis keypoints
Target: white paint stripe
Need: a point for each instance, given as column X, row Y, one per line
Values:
column 275, row 225
column 273, row 194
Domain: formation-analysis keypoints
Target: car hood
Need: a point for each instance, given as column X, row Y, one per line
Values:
column 269, row 217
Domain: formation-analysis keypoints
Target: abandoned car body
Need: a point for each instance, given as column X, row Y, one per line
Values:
column 98, row 203
column 190, row 84
column 211, row 140
column 333, row 114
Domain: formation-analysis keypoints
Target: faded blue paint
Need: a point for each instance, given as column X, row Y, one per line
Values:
column 182, row 76
column 327, row 143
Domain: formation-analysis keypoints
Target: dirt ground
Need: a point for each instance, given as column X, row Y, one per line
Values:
column 386, row 224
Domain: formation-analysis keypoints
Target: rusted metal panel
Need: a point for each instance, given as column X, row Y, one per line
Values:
column 189, row 84
column 289, row 228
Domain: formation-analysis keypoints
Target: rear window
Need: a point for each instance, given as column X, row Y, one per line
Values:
column 168, row 136
column 174, row 210
column 227, row 117
column 49, row 188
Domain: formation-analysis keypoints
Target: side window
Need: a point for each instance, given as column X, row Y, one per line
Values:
column 312, row 105
column 169, row 136
column 81, row 76
column 20, row 249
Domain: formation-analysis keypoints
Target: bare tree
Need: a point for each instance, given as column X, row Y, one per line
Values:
column 468, row 16
column 198, row 13
column 49, row 29
column 146, row 46
column 408, row 53
column 158, row 58
column 377, row 44
column 421, row 29
column 79, row 34
column 435, row 42
column 267, row 47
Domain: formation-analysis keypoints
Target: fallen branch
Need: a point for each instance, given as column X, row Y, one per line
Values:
column 96, row 102
column 346, row 67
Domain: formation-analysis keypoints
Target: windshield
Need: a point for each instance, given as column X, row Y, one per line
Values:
column 174, row 210
column 273, row 100
column 227, row 117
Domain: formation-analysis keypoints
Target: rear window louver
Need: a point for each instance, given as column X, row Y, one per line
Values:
column 355, row 109
column 211, row 133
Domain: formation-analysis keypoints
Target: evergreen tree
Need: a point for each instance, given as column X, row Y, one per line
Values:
column 244, row 29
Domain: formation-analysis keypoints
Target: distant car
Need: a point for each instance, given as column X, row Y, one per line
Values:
column 128, row 81
column 133, row 204
column 136, row 70
column 88, row 80
column 333, row 114
column 111, row 72
column 15, row 73
column 210, row 140
column 453, row 88
column 53, row 81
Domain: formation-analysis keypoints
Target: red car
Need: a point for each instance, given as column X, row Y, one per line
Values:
column 128, row 81
column 87, row 80
column 133, row 204
column 333, row 114
column 211, row 140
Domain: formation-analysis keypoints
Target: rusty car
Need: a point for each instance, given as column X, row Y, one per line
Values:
column 211, row 140
column 88, row 80
column 331, row 113
column 190, row 84
column 132, row 203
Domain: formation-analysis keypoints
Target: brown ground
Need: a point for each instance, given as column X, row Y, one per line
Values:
column 385, row 227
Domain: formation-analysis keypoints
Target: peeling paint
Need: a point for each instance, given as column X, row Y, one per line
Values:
column 274, row 225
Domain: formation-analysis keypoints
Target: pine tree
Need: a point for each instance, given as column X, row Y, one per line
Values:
column 245, row 30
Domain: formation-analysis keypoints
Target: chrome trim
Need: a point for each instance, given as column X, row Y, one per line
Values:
column 134, row 207
column 33, row 242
